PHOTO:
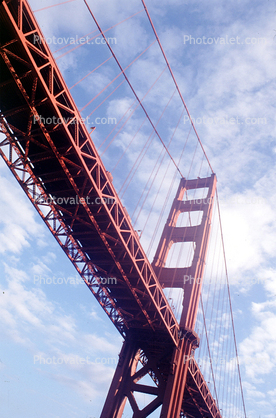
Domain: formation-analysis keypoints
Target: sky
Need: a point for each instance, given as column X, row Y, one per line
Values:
column 59, row 350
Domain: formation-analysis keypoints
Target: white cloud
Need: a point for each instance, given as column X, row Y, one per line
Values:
column 26, row 311
column 131, row 40
column 217, row 81
column 15, row 235
column 252, row 392
column 258, row 349
column 245, row 250
column 272, row 393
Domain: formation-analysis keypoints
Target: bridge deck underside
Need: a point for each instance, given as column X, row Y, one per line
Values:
column 65, row 162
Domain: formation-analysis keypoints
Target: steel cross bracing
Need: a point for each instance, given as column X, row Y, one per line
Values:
column 68, row 166
column 196, row 234
column 48, row 149
column 179, row 385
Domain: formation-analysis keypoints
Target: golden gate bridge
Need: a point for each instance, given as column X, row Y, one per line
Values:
column 174, row 313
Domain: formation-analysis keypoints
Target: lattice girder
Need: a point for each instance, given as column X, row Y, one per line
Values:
column 64, row 158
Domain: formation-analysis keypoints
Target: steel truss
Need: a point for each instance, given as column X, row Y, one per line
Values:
column 68, row 166
column 178, row 383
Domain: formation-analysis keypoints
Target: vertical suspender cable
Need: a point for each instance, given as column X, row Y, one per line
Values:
column 231, row 311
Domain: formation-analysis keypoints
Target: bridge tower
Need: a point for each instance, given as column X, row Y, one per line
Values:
column 167, row 367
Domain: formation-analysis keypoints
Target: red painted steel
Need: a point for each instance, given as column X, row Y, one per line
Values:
column 187, row 278
column 50, row 152
column 69, row 167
